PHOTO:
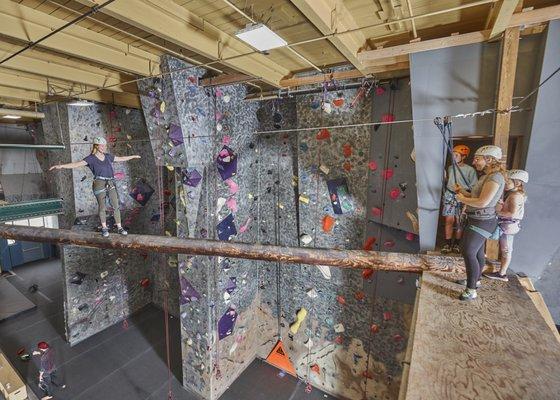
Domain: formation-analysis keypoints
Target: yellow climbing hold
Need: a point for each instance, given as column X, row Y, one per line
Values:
column 300, row 316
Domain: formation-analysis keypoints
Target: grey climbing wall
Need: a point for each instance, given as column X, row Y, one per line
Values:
column 540, row 259
column 102, row 287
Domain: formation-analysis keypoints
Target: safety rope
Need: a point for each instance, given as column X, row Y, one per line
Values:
column 444, row 127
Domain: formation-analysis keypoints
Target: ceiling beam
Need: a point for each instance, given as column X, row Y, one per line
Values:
column 15, row 103
column 175, row 24
column 518, row 19
column 329, row 16
column 505, row 9
column 21, row 94
column 225, row 79
column 26, row 24
column 57, row 67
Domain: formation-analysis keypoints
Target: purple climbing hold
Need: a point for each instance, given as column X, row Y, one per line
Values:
column 188, row 292
column 191, row 177
column 231, row 285
column 175, row 134
column 226, row 228
column 227, row 323
column 227, row 163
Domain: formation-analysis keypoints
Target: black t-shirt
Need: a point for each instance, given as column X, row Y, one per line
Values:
column 103, row 169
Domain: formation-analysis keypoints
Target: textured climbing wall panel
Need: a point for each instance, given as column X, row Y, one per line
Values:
column 106, row 284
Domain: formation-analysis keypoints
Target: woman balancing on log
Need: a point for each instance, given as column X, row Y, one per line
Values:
column 101, row 165
column 482, row 222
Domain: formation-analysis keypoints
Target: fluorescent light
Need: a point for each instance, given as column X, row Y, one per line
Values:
column 81, row 103
column 12, row 116
column 260, row 37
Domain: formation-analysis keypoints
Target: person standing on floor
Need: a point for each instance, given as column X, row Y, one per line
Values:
column 510, row 214
column 47, row 370
column 481, row 214
column 101, row 165
column 465, row 176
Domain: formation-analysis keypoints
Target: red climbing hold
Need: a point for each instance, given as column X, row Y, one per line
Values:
column 112, row 139
column 397, row 338
column 338, row 102
column 367, row 273
column 410, row 236
column 347, row 166
column 360, row 295
column 376, row 211
column 389, row 244
column 328, row 223
column 374, row 328
column 167, row 192
column 339, row 340
column 347, row 150
column 387, row 118
column 387, row 173
column 145, row 283
column 341, row 299
column 387, row 316
column 379, row 90
column 315, row 368
column 323, row 134
column 372, row 165
column 370, row 241
column 395, row 193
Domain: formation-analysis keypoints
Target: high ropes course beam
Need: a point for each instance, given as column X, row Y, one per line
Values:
column 352, row 259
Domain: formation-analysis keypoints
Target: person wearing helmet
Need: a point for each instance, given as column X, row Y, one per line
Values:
column 100, row 164
column 452, row 209
column 510, row 214
column 481, row 214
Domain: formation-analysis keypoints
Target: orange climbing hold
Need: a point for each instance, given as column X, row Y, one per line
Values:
column 370, row 241
column 347, row 166
column 323, row 134
column 367, row 273
column 315, row 368
column 341, row 299
column 279, row 358
column 360, row 295
column 328, row 223
column 347, row 150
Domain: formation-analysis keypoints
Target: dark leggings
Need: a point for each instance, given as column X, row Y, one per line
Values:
column 473, row 248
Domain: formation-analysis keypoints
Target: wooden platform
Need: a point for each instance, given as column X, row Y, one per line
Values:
column 497, row 347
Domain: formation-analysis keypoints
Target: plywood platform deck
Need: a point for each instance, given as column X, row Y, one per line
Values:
column 497, row 347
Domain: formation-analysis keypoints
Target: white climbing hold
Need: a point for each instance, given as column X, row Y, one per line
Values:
column 220, row 203
column 339, row 328
column 312, row 293
column 305, row 238
column 104, row 274
column 233, row 348
column 324, row 169
column 325, row 270
column 227, row 297
column 308, row 343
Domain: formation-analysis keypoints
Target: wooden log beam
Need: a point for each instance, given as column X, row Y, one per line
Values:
column 353, row 259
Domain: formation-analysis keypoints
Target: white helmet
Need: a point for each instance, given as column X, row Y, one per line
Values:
column 519, row 174
column 99, row 140
column 489, row 151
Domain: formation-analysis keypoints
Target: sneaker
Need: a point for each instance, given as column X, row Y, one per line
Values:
column 446, row 249
column 105, row 232
column 468, row 295
column 123, row 232
column 496, row 276
column 456, row 249
column 463, row 282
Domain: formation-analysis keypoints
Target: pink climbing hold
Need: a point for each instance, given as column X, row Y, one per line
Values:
column 389, row 244
column 397, row 338
column 395, row 193
column 379, row 90
column 231, row 203
column 372, row 165
column 341, row 299
column 410, row 236
column 376, row 211
column 245, row 226
column 119, row 175
column 233, row 187
column 387, row 118
column 387, row 173
column 387, row 316
column 226, row 140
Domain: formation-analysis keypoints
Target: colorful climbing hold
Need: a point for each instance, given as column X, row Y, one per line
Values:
column 323, row 134
column 370, row 241
column 372, row 165
column 410, row 236
column 338, row 102
column 339, row 340
column 367, row 273
column 376, row 211
column 145, row 283
column 395, row 193
column 315, row 368
column 374, row 328
column 227, row 323
column 389, row 243
column 379, row 90
column 387, row 316
column 300, row 316
column 387, row 173
column 347, row 150
column 360, row 296
column 347, row 166
column 397, row 337
column 328, row 223
column 387, row 118
column 341, row 299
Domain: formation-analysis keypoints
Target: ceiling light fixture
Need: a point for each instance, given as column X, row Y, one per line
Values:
column 12, row 116
column 260, row 37
column 81, row 103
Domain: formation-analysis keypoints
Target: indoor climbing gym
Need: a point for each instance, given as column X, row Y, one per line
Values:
column 279, row 199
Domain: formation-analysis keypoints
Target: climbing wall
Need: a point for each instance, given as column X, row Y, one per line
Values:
column 102, row 287
column 212, row 153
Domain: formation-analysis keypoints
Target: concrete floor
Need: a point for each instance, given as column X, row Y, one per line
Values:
column 118, row 363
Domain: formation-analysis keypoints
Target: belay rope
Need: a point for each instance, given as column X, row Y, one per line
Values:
column 444, row 127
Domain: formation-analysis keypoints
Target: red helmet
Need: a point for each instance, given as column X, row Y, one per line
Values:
column 462, row 149
column 43, row 346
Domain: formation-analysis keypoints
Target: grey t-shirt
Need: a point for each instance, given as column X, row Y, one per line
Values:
column 100, row 168
column 477, row 189
column 468, row 172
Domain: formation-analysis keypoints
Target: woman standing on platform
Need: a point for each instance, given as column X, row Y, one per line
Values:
column 481, row 214
column 510, row 214
column 101, row 165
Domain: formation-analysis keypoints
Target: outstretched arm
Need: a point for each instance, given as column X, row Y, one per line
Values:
column 76, row 164
column 126, row 158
